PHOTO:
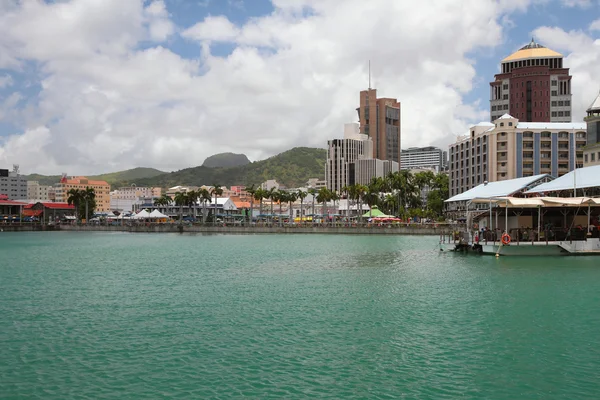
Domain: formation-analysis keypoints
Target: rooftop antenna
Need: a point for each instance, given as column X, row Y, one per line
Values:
column 369, row 74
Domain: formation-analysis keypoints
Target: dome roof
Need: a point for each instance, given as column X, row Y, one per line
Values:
column 532, row 50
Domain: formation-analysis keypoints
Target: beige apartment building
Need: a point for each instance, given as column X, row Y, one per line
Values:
column 37, row 192
column 101, row 188
column 508, row 149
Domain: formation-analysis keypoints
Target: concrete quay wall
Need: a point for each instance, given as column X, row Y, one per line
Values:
column 173, row 228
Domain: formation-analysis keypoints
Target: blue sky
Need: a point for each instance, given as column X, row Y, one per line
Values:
column 169, row 82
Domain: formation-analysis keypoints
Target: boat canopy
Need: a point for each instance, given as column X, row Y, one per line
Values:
column 516, row 202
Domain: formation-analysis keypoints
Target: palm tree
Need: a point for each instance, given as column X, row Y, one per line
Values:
column 180, row 200
column 291, row 198
column 259, row 195
column 191, row 200
column 216, row 191
column 301, row 195
column 281, row 197
column 205, row 197
column 323, row 196
column 89, row 197
column 251, row 191
column 75, row 197
column 313, row 193
column 334, row 196
column 163, row 200
column 272, row 194
column 361, row 192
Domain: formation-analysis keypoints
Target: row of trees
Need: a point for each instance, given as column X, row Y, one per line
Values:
column 190, row 199
column 398, row 193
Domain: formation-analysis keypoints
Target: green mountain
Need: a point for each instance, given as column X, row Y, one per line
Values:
column 291, row 168
column 226, row 160
column 114, row 178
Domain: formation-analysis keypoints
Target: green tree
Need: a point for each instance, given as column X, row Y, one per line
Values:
column 75, row 198
column 301, row 195
column 251, row 191
column 313, row 192
column 323, row 196
column 205, row 197
column 216, row 191
column 180, row 201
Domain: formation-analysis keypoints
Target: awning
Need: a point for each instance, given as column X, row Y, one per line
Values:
column 515, row 202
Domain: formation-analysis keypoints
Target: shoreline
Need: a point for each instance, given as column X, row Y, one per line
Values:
column 424, row 230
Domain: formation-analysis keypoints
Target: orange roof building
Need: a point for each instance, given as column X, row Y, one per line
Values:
column 101, row 188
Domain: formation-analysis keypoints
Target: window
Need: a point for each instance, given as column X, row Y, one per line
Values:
column 560, row 113
column 505, row 97
column 554, row 113
column 506, row 106
column 554, row 104
column 505, row 87
column 528, row 134
column 502, row 124
column 554, row 83
column 510, row 124
column 493, row 108
column 561, row 103
column 554, row 93
column 567, row 102
column 567, row 113
column 545, row 165
column 546, row 134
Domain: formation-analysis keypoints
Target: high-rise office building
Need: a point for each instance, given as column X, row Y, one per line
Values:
column 380, row 120
column 533, row 86
column 509, row 148
column 342, row 153
column 424, row 157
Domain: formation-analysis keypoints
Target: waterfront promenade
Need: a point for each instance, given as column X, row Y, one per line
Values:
column 366, row 229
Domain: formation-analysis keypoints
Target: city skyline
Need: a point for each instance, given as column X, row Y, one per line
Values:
column 92, row 88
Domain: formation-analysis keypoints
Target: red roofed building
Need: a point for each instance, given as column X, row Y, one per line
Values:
column 48, row 211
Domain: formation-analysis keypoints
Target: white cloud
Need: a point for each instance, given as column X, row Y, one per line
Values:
column 595, row 25
column 578, row 3
column 5, row 81
column 292, row 77
column 218, row 29
column 582, row 57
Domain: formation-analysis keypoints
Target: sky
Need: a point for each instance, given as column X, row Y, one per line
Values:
column 94, row 86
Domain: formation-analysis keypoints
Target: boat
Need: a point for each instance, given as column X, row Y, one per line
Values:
column 540, row 226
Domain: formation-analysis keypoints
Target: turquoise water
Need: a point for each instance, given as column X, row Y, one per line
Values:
column 101, row 315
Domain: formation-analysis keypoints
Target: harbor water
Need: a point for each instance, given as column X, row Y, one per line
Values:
column 118, row 315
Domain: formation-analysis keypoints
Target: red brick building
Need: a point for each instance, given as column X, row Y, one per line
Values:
column 533, row 86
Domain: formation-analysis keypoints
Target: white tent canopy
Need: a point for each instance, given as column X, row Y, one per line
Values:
column 142, row 215
column 580, row 178
column 157, row 214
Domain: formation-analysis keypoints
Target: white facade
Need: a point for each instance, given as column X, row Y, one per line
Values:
column 37, row 192
column 14, row 185
column 316, row 183
column 271, row 184
column 424, row 157
column 127, row 198
column 341, row 155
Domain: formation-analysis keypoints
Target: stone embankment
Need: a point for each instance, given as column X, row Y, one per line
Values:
column 432, row 229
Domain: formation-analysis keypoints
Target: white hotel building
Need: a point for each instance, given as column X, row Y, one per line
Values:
column 350, row 160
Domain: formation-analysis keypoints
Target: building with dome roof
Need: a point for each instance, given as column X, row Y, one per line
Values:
column 533, row 86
